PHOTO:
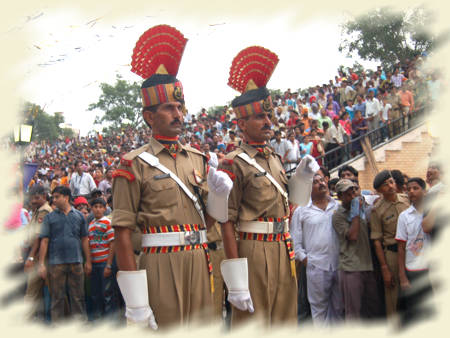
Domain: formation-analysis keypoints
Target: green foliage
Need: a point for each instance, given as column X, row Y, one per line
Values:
column 120, row 104
column 45, row 126
column 215, row 110
column 388, row 36
column 275, row 92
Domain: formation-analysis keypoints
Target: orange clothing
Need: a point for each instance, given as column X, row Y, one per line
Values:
column 406, row 99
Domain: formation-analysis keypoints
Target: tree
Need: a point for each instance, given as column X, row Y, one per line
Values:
column 45, row 126
column 120, row 103
column 215, row 110
column 388, row 36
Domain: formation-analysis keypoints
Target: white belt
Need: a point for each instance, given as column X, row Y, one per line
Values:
column 174, row 238
column 264, row 227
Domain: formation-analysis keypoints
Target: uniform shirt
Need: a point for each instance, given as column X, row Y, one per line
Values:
column 384, row 216
column 82, row 185
column 64, row 233
column 409, row 230
column 314, row 236
column 101, row 234
column 254, row 196
column 353, row 255
column 34, row 227
column 146, row 199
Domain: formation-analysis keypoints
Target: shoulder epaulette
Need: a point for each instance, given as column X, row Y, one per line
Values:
column 123, row 173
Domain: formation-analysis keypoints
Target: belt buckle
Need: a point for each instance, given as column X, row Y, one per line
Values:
column 192, row 237
column 278, row 227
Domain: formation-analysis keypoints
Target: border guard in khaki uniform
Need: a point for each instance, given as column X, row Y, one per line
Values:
column 383, row 225
column 35, row 284
column 260, row 270
column 162, row 188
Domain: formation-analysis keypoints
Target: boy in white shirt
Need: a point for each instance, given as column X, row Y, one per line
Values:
column 413, row 244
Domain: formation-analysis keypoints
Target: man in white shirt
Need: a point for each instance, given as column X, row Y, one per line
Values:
column 316, row 246
column 413, row 245
column 281, row 146
column 81, row 183
column 373, row 111
column 397, row 78
column 293, row 157
column 334, row 138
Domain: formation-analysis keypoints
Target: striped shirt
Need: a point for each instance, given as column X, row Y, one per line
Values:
column 101, row 234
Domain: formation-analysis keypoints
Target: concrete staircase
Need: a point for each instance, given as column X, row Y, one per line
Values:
column 409, row 153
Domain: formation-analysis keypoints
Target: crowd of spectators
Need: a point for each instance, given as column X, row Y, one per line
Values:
column 315, row 121
column 322, row 122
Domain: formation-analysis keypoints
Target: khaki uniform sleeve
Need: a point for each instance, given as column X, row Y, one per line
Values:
column 126, row 196
column 230, row 167
column 376, row 229
column 40, row 218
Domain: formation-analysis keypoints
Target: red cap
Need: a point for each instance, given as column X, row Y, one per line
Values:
column 335, row 117
column 80, row 200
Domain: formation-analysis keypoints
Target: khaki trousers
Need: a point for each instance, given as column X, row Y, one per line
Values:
column 272, row 287
column 179, row 287
column 34, row 295
column 391, row 294
column 218, row 256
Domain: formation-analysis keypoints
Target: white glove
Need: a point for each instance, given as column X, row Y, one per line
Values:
column 133, row 286
column 213, row 160
column 219, row 182
column 241, row 300
column 220, row 185
column 300, row 184
column 235, row 275
column 307, row 167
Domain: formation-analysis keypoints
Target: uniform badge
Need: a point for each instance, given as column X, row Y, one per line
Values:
column 198, row 177
column 267, row 106
column 126, row 163
column 177, row 93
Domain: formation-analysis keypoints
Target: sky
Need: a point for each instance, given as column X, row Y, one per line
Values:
column 70, row 53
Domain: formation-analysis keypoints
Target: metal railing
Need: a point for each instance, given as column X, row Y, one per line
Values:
column 352, row 150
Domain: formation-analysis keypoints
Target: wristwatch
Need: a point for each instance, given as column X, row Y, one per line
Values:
column 30, row 258
column 108, row 266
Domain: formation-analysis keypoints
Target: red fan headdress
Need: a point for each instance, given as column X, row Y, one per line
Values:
column 250, row 71
column 156, row 58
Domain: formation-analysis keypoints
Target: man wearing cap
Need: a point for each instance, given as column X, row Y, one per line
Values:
column 35, row 283
column 164, row 189
column 260, row 269
column 383, row 225
column 356, row 276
